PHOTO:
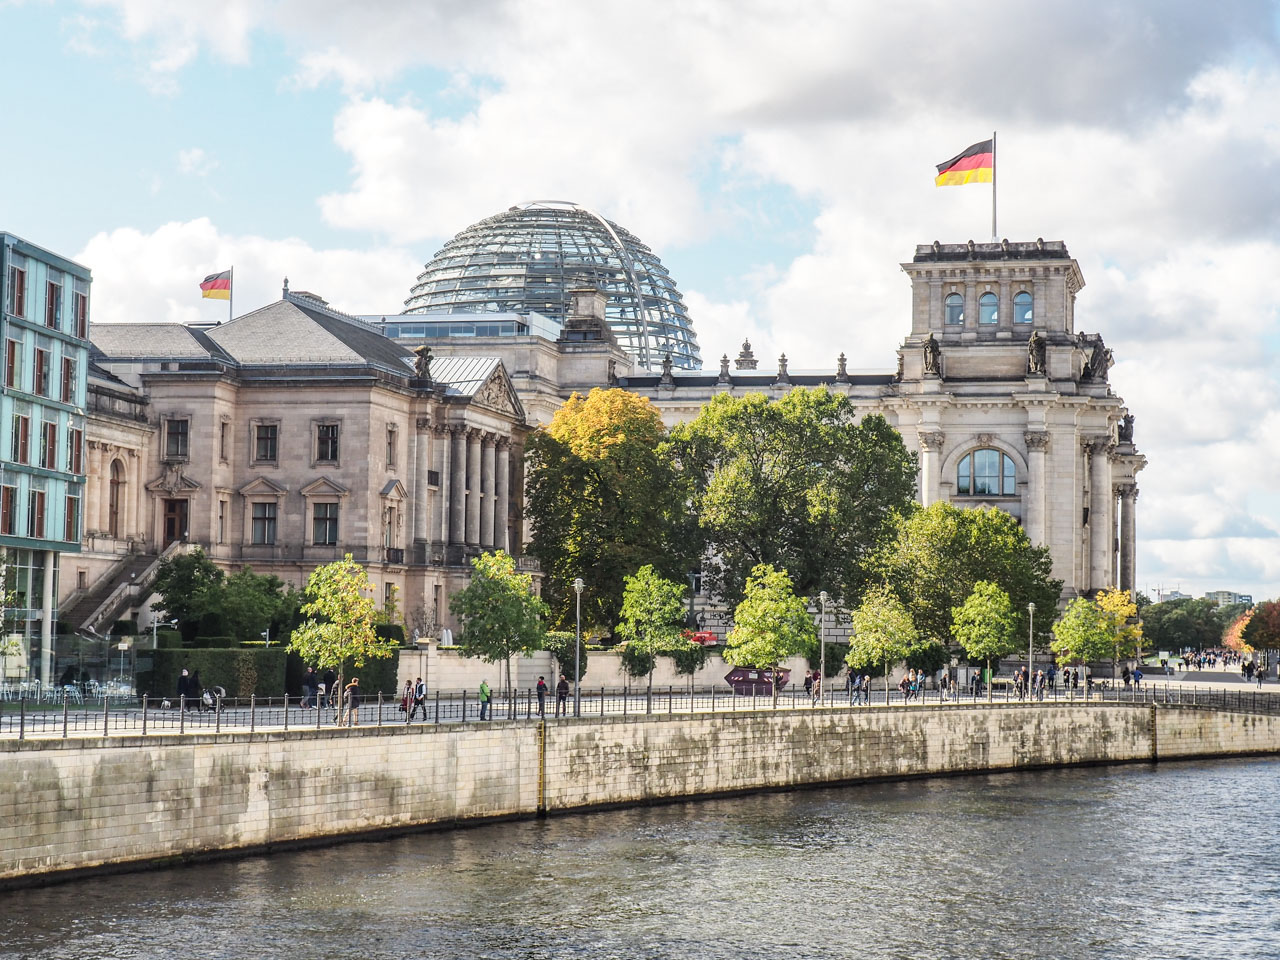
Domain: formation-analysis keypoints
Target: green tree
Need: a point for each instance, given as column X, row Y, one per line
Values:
column 190, row 587
column 800, row 483
column 985, row 625
column 1176, row 625
column 603, row 501
column 251, row 604
column 1263, row 630
column 1120, row 614
column 940, row 553
column 499, row 612
column 561, row 644
column 770, row 624
column 340, row 616
column 652, row 614
column 881, row 632
column 1083, row 634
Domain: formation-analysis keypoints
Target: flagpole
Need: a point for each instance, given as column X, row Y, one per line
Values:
column 231, row 281
column 995, row 236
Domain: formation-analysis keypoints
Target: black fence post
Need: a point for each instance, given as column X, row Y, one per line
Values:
column 464, row 705
column 64, row 714
column 22, row 717
column 217, row 714
column 253, row 712
column 286, row 713
column 144, row 714
column 437, row 706
column 380, row 708
column 106, row 716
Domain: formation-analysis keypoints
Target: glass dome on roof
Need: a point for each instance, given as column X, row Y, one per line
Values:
column 529, row 258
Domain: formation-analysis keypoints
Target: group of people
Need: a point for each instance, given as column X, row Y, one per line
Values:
column 320, row 689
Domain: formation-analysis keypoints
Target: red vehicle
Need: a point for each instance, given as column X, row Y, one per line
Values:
column 747, row 680
column 704, row 637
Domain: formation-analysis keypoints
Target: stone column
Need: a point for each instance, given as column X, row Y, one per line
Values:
column 104, row 502
column 458, row 487
column 502, row 496
column 133, row 484
column 92, row 487
column 473, row 488
column 931, row 442
column 486, row 485
column 1101, row 542
column 1128, row 494
column 1037, row 449
column 440, row 519
column 421, row 496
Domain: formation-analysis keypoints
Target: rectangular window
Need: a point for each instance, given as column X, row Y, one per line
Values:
column 8, row 509
column 68, row 380
column 49, row 445
column 327, row 442
column 388, row 597
column 391, row 447
column 20, row 450
column 75, row 451
column 17, row 304
column 324, row 524
column 13, row 364
column 175, row 439
column 42, row 372
column 265, row 436
column 72, row 531
column 53, row 305
column 35, row 514
column 222, row 521
column 264, row 523
column 81, row 301
column 222, row 440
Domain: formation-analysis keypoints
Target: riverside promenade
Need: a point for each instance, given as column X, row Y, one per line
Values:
column 93, row 803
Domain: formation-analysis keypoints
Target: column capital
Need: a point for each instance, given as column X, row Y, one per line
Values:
column 504, row 443
column 1097, row 446
column 1036, row 440
column 473, row 433
column 423, row 425
column 932, row 440
column 1125, row 491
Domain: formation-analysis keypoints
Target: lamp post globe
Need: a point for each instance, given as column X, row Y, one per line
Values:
column 577, row 647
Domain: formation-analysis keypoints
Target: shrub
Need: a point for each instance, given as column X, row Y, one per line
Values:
column 239, row 672
column 124, row 628
column 560, row 645
column 168, row 639
column 389, row 631
column 214, row 643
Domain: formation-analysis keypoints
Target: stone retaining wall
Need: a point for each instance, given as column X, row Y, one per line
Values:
column 68, row 806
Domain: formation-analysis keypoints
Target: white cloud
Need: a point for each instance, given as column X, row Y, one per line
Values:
column 195, row 162
column 152, row 277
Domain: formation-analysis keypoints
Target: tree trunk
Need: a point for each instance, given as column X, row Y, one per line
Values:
column 774, row 684
column 988, row 678
column 648, row 693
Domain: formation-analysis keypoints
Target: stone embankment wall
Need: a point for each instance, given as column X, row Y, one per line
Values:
column 76, row 805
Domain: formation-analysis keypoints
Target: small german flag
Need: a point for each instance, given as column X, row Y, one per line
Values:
column 974, row 165
column 216, row 286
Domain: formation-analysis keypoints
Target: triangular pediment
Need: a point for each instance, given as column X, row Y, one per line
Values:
column 499, row 395
column 262, row 487
column 324, row 487
column 393, row 490
column 173, row 481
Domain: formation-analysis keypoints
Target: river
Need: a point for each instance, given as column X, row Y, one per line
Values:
column 1174, row 861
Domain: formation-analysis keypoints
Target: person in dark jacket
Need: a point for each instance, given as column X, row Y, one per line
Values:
column 562, row 695
column 184, row 689
column 542, row 696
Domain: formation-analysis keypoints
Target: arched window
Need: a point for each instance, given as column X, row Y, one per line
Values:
column 987, row 473
column 1022, row 307
column 988, row 306
column 955, row 308
column 113, row 498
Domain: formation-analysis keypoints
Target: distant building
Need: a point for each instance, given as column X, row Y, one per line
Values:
column 1164, row 596
column 1227, row 598
column 44, row 326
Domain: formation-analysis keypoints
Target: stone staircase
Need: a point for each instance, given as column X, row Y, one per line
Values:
column 102, row 604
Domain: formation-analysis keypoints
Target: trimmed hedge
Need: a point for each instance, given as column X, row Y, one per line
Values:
column 389, row 631
column 239, row 672
column 169, row 639
column 125, row 628
column 214, row 643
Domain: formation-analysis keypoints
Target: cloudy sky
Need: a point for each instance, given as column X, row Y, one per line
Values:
column 777, row 155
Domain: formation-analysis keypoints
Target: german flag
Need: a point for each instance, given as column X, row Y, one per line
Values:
column 974, row 165
column 216, row 286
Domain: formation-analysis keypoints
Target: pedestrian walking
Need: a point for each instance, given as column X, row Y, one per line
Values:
column 406, row 695
column 562, row 696
column 866, row 689
column 542, row 696
column 419, row 701
column 352, row 697
column 485, row 694
column 330, row 680
column 309, row 681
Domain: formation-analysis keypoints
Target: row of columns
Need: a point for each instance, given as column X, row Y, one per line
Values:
column 97, row 498
column 471, row 504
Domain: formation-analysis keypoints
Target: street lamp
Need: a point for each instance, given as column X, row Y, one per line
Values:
column 154, row 624
column 823, row 597
column 577, row 649
column 1031, row 622
column 266, row 635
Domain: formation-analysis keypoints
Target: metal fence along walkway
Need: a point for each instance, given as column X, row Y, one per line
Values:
column 108, row 717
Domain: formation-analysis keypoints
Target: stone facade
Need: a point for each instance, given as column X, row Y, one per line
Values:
column 294, row 435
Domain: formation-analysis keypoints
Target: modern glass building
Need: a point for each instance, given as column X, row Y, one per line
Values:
column 529, row 259
column 44, row 327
